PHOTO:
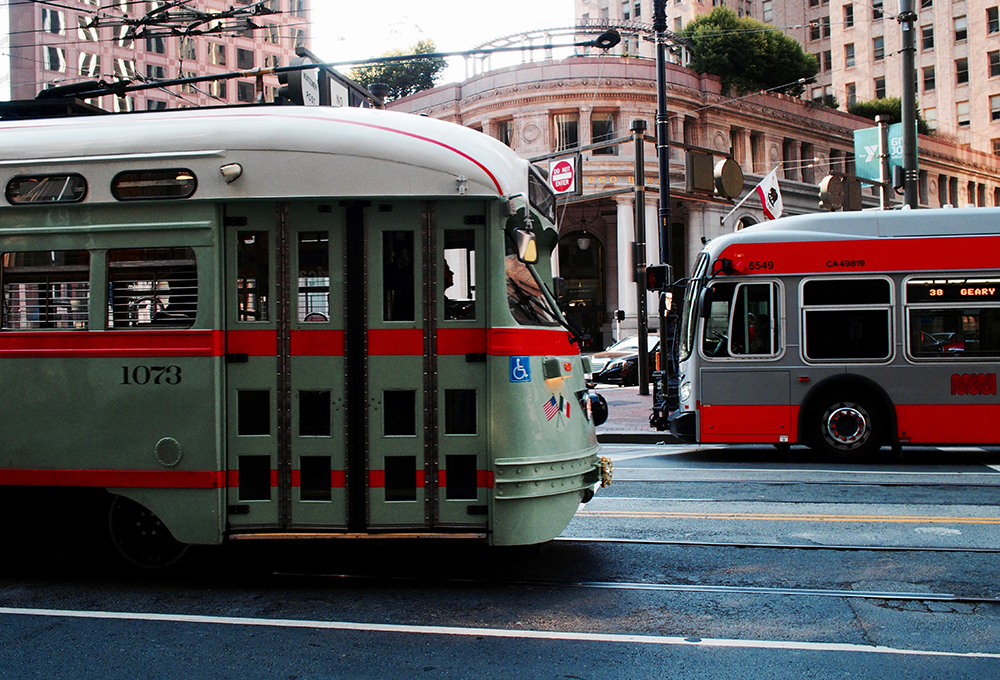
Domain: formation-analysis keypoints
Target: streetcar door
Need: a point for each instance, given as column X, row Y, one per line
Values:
column 285, row 366
column 426, row 369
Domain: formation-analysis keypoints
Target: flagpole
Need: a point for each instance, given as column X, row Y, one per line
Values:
column 722, row 220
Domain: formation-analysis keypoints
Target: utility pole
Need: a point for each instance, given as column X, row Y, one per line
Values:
column 662, row 128
column 639, row 252
column 907, row 18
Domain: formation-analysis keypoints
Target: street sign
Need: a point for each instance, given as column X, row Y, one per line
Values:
column 562, row 176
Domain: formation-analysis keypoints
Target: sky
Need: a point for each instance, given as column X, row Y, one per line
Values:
column 356, row 30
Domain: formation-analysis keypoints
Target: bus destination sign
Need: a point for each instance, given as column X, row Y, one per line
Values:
column 953, row 291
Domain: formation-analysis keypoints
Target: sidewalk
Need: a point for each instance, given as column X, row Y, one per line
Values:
column 628, row 418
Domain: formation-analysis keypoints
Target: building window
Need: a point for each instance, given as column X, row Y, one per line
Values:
column 827, row 61
column 156, row 45
column 602, row 129
column 567, row 131
column 825, row 21
column 90, row 65
column 961, row 29
column 245, row 91
column 848, row 16
column 994, row 61
column 53, row 21
column 156, row 72
column 217, row 54
column 55, row 59
column 961, row 71
column 852, row 94
column 877, row 10
column 929, row 82
column 849, row 55
column 927, row 37
column 962, row 114
column 878, row 48
column 272, row 34
column 85, row 32
column 880, row 88
column 992, row 20
column 930, row 117
column 814, row 30
column 124, row 40
column 996, row 149
column 505, row 132
column 187, row 48
column 995, row 107
column 244, row 58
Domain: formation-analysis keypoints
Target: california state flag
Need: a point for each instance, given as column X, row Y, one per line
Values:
column 770, row 195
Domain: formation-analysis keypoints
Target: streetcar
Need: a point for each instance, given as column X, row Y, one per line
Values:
column 285, row 322
column 845, row 332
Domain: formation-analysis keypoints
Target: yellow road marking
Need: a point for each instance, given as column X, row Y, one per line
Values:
column 762, row 517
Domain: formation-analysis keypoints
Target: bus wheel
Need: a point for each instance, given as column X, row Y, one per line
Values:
column 847, row 426
column 141, row 537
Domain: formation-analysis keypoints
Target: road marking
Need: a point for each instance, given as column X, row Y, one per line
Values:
column 994, row 467
column 764, row 517
column 799, row 471
column 491, row 632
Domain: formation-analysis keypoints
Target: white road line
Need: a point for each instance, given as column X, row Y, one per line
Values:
column 800, row 471
column 489, row 632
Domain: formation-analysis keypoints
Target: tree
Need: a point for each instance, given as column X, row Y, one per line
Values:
column 403, row 77
column 892, row 107
column 748, row 55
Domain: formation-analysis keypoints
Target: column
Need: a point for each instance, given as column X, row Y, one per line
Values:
column 626, row 236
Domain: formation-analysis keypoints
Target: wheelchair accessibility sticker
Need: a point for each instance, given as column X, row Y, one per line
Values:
column 520, row 369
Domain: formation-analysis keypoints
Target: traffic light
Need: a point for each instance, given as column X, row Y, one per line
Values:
column 658, row 276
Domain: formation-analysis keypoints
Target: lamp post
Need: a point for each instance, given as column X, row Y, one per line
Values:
column 907, row 18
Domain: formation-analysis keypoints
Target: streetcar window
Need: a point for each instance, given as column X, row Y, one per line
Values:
column 139, row 185
column 527, row 303
column 315, row 481
column 254, row 478
column 253, row 413
column 253, row 257
column 46, row 290
column 152, row 288
column 847, row 319
column 314, row 414
column 398, row 284
column 314, row 276
column 540, row 196
column 68, row 188
column 399, row 408
column 459, row 274
column 460, row 412
column 401, row 478
column 461, row 477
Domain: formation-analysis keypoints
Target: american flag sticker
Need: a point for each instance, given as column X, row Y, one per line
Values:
column 551, row 408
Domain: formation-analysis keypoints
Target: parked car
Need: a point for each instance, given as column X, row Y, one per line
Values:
column 624, row 347
column 624, row 369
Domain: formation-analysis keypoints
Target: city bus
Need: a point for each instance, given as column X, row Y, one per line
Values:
column 845, row 332
column 287, row 322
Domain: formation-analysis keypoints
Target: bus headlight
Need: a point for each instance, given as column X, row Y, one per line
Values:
column 685, row 391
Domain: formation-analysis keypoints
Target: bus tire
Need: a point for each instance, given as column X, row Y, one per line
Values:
column 847, row 425
column 141, row 537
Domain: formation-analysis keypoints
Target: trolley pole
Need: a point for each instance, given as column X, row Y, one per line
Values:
column 639, row 252
column 907, row 18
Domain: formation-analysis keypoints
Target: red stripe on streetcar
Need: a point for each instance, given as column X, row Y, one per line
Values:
column 138, row 343
column 137, row 479
column 338, row 479
column 376, row 479
column 864, row 255
column 508, row 341
column 461, row 341
column 317, row 343
column 484, row 479
column 256, row 343
column 395, row 342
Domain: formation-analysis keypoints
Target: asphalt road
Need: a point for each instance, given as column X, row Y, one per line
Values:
column 694, row 563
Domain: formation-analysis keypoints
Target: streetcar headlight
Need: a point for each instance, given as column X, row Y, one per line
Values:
column 685, row 391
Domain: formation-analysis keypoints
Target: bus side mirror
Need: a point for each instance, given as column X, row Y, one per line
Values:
column 705, row 303
column 527, row 248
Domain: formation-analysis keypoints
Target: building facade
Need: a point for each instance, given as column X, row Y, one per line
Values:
column 78, row 40
column 857, row 46
column 565, row 106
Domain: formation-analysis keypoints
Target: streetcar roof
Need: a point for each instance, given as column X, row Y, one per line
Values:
column 284, row 152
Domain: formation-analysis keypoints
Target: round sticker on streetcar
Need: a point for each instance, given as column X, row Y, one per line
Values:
column 562, row 176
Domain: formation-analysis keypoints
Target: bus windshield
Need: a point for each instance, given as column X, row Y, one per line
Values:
column 689, row 310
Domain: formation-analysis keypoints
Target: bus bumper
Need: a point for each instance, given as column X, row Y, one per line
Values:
column 682, row 425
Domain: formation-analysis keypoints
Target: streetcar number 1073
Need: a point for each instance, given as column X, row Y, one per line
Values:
column 156, row 375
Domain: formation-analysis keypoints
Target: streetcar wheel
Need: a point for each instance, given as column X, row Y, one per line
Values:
column 847, row 426
column 141, row 537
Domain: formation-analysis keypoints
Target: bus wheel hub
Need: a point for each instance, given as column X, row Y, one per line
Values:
column 847, row 425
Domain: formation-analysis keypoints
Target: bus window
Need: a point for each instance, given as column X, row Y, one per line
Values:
column 847, row 319
column 754, row 328
column 459, row 274
column 948, row 323
column 314, row 276
column 252, row 280
column 152, row 288
column 398, row 287
column 46, row 290
column 715, row 342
